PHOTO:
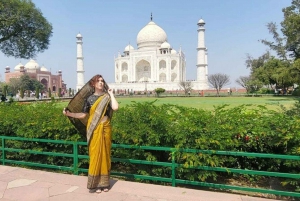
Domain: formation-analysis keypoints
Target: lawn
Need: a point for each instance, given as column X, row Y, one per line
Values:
column 271, row 102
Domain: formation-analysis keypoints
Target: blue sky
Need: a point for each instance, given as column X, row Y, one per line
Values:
column 233, row 28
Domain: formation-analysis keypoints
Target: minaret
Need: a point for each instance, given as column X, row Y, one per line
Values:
column 206, row 67
column 80, row 69
column 201, row 54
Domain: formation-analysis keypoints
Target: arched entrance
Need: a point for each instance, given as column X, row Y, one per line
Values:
column 162, row 65
column 45, row 83
column 162, row 77
column 143, row 71
column 124, row 78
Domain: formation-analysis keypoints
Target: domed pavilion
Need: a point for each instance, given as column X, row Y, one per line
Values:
column 154, row 63
column 40, row 73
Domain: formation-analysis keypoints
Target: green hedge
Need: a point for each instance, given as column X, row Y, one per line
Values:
column 233, row 129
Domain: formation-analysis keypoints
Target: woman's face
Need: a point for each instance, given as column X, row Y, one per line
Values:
column 99, row 84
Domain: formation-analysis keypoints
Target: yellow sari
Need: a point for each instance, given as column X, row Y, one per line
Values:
column 99, row 144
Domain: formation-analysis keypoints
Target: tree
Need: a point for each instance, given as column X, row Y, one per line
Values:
column 25, row 82
column 254, row 85
column 279, row 46
column 218, row 80
column 37, row 92
column 158, row 91
column 22, row 93
column 243, row 81
column 291, row 27
column 284, row 70
column 49, row 93
column 4, row 90
column 279, row 72
column 258, row 74
column 186, row 86
column 1, row 86
column 30, row 84
column 24, row 31
column 269, row 71
column 14, row 85
column 36, row 84
column 253, row 64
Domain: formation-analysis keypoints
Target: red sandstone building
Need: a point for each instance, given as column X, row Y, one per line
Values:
column 32, row 68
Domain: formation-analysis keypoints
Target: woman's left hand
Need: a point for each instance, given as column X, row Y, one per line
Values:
column 110, row 91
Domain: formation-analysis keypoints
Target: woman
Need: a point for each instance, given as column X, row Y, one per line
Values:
column 99, row 107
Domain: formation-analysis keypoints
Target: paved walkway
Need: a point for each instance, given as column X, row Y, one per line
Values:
column 20, row 184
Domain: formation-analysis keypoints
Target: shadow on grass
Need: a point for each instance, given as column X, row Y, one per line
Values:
column 283, row 99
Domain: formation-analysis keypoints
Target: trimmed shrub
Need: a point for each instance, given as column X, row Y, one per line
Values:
column 229, row 129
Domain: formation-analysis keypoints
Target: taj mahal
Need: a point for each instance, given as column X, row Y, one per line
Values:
column 153, row 64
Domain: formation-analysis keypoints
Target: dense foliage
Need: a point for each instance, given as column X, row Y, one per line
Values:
column 230, row 129
column 24, row 31
column 283, row 70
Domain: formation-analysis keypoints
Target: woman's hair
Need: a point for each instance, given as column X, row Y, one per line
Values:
column 95, row 79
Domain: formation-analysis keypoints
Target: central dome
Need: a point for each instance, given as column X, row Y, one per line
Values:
column 151, row 36
column 32, row 64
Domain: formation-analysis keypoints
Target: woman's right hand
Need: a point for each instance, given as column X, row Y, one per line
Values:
column 65, row 111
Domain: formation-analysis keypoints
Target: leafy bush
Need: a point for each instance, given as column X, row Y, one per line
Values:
column 229, row 129
column 236, row 129
column 158, row 91
column 37, row 120
column 265, row 91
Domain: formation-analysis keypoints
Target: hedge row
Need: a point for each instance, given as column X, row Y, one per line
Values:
column 231, row 129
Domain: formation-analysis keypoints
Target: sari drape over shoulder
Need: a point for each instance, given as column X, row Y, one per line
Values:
column 99, row 144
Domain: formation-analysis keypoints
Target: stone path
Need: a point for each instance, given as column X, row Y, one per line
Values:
column 20, row 184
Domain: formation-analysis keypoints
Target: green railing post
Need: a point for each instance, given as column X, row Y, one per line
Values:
column 173, row 169
column 75, row 158
column 3, row 151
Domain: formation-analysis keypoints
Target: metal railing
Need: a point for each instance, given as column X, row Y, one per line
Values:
column 173, row 165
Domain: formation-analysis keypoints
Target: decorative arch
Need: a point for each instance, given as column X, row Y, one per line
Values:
column 162, row 77
column 117, row 77
column 54, row 88
column 124, row 66
column 173, row 77
column 45, row 83
column 124, row 78
column 143, row 71
column 173, row 64
column 162, row 65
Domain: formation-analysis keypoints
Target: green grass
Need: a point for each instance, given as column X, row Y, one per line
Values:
column 271, row 102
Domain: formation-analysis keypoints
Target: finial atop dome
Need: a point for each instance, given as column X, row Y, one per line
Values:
column 151, row 17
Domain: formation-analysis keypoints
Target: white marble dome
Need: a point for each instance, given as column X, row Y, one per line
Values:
column 173, row 51
column 79, row 36
column 165, row 45
column 32, row 64
column 17, row 67
column 151, row 36
column 128, row 48
column 43, row 68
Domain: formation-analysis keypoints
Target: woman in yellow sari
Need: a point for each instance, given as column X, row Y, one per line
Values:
column 99, row 106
